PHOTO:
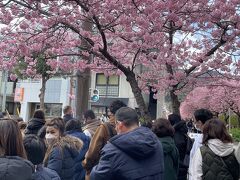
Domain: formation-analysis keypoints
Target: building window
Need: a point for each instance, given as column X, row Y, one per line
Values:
column 107, row 86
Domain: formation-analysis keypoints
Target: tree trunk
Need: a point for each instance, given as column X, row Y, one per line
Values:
column 226, row 117
column 42, row 92
column 83, row 78
column 82, row 92
column 138, row 96
column 175, row 104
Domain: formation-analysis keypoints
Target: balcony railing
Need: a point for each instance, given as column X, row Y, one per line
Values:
column 108, row 91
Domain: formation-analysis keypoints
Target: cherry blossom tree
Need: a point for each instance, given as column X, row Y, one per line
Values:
column 218, row 98
column 163, row 44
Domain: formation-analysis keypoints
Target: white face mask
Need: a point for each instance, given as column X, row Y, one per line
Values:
column 50, row 138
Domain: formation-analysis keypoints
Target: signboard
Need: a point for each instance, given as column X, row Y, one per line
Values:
column 18, row 96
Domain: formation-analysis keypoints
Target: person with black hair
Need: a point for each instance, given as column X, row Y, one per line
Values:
column 36, row 149
column 135, row 153
column 165, row 132
column 36, row 123
column 91, row 123
column 181, row 140
column 73, row 128
column 201, row 116
column 103, row 133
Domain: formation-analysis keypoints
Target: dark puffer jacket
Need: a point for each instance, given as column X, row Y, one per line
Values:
column 136, row 155
column 63, row 155
column 34, row 125
column 171, row 158
column 180, row 139
column 14, row 167
column 43, row 173
column 79, row 170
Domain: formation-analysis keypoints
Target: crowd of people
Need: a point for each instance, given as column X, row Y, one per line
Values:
column 118, row 149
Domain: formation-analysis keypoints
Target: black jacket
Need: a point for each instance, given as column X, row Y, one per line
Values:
column 67, row 117
column 14, row 167
column 134, row 155
column 181, row 143
column 34, row 125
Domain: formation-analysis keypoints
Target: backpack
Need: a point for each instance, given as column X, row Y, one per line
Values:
column 189, row 145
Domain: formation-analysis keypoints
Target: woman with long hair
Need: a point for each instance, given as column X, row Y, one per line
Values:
column 13, row 163
column 62, row 149
column 216, row 158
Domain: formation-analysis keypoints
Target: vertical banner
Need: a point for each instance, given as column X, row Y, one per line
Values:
column 19, row 93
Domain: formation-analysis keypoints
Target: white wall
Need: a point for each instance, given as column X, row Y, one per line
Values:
column 31, row 94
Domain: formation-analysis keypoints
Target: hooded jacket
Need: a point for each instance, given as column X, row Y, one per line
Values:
column 134, row 155
column 62, row 157
column 34, row 125
column 14, row 167
column 171, row 158
column 218, row 148
column 79, row 170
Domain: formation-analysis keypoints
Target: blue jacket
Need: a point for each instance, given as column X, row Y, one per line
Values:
column 137, row 154
column 80, row 172
column 14, row 167
column 43, row 173
column 62, row 159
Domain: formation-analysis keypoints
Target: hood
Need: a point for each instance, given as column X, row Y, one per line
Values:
column 219, row 148
column 13, row 167
column 167, row 143
column 181, row 127
column 72, row 144
column 138, row 143
column 35, row 123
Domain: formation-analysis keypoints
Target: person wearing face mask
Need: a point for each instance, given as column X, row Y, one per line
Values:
column 103, row 133
column 62, row 149
column 215, row 159
column 201, row 116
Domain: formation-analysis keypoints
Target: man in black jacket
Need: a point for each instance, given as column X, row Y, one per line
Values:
column 68, row 113
column 180, row 139
column 135, row 153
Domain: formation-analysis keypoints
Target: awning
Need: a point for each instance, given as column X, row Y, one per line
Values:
column 106, row 101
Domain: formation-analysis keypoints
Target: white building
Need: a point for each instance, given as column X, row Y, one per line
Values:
column 58, row 94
